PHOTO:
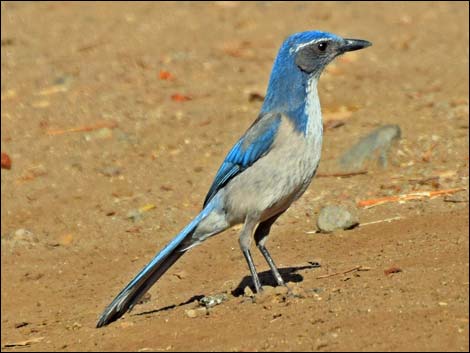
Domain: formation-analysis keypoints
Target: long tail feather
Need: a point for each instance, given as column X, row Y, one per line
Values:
column 129, row 296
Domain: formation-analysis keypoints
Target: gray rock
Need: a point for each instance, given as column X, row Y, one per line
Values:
column 376, row 146
column 336, row 217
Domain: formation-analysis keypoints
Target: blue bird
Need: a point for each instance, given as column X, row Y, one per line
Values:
column 269, row 167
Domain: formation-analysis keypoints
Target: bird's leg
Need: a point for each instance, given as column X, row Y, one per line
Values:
column 272, row 265
column 245, row 242
column 261, row 235
column 254, row 274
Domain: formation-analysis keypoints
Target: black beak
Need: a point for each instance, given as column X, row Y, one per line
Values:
column 354, row 44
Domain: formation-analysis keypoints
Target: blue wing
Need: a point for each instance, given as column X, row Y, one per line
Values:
column 254, row 144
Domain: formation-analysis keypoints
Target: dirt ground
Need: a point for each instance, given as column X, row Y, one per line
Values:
column 111, row 108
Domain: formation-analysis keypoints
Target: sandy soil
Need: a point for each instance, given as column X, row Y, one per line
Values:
column 68, row 245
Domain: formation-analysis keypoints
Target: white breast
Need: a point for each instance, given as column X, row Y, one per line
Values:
column 314, row 130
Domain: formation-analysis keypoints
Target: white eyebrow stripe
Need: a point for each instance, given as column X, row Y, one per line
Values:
column 300, row 46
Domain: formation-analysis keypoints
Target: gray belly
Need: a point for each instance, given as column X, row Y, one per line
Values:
column 275, row 181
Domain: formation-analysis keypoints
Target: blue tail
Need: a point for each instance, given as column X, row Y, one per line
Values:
column 129, row 296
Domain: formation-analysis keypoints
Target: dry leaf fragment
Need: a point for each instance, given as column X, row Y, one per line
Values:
column 391, row 270
column 165, row 75
column 6, row 161
column 178, row 97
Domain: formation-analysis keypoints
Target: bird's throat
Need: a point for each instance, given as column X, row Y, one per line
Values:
column 312, row 109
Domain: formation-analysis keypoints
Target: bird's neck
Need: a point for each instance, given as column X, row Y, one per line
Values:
column 298, row 101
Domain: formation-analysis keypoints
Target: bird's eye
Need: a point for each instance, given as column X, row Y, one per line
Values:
column 322, row 46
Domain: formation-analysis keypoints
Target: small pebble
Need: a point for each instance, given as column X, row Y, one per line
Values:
column 459, row 197
column 298, row 292
column 134, row 215
column 213, row 300
column 192, row 313
column 247, row 292
column 21, row 237
column 335, row 217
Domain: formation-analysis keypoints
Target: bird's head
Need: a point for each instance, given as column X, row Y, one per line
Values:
column 302, row 57
column 312, row 51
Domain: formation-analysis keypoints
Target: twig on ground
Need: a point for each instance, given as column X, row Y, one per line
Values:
column 110, row 125
column 380, row 221
column 357, row 268
column 411, row 196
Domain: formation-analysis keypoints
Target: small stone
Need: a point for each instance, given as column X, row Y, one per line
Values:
column 23, row 233
column 267, row 294
column 134, row 215
column 23, row 237
column 298, row 292
column 336, row 217
column 460, row 197
column 247, row 292
column 192, row 313
column 213, row 300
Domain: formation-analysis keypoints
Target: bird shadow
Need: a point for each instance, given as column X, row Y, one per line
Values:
column 194, row 298
column 288, row 274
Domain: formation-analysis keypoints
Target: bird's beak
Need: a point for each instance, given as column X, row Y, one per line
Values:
column 354, row 44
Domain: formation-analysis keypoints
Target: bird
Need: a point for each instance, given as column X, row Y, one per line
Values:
column 267, row 169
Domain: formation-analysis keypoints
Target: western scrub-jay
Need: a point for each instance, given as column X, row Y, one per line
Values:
column 268, row 168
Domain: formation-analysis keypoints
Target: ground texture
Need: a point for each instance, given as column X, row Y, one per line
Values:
column 108, row 109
